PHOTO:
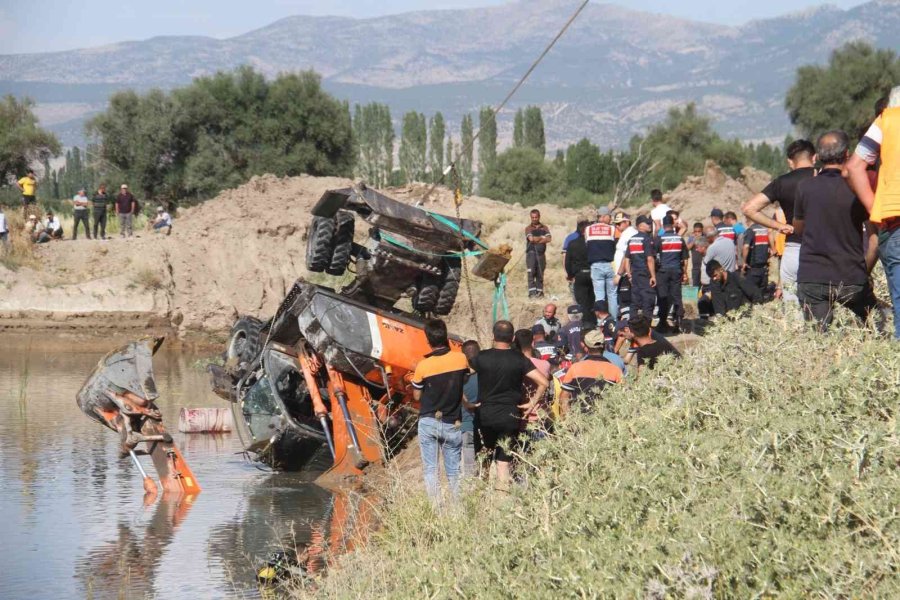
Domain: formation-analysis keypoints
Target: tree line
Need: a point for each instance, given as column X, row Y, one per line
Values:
column 188, row 144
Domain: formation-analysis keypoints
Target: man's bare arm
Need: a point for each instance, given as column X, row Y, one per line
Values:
column 872, row 250
column 542, row 384
column 753, row 208
column 859, row 181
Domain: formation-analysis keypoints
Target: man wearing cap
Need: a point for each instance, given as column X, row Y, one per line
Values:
column 672, row 253
column 601, row 246
column 640, row 268
column 98, row 208
column 549, row 322
column 537, row 236
column 34, row 231
column 81, row 202
column 126, row 206
column 570, row 334
column 162, row 220
column 659, row 211
column 586, row 379
column 605, row 322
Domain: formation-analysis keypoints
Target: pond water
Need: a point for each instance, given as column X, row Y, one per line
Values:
column 72, row 519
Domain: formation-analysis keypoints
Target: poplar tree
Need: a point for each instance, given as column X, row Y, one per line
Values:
column 436, row 156
column 465, row 160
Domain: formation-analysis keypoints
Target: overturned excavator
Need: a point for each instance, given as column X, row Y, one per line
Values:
column 324, row 384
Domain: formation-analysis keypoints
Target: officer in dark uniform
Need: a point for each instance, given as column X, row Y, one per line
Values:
column 546, row 350
column 756, row 255
column 605, row 323
column 570, row 334
column 672, row 254
column 639, row 265
column 537, row 236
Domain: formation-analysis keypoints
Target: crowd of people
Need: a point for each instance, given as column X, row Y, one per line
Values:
column 826, row 222
column 85, row 210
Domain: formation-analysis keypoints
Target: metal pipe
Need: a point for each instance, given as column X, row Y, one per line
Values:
column 327, row 431
column 149, row 484
column 342, row 401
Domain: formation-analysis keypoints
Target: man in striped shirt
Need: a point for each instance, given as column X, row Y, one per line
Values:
column 882, row 142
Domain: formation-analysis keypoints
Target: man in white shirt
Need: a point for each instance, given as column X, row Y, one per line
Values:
column 625, row 231
column 52, row 226
column 660, row 209
column 163, row 220
column 81, row 202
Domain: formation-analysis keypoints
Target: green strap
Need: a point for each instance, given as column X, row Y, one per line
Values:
column 500, row 298
column 455, row 227
column 392, row 240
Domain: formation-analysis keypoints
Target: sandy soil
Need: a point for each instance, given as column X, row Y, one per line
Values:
column 241, row 251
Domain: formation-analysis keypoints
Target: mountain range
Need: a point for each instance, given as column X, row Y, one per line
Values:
column 614, row 73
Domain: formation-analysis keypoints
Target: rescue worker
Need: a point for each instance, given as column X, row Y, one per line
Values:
column 756, row 252
column 570, row 334
column 600, row 239
column 537, row 236
column 605, row 322
column 549, row 322
column 672, row 253
column 717, row 217
column 639, row 266
column 586, row 379
column 578, row 269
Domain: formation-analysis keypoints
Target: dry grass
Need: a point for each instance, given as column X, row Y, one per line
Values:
column 765, row 465
column 20, row 252
column 148, row 279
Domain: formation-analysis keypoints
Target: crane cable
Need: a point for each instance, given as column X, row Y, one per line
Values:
column 502, row 105
column 499, row 300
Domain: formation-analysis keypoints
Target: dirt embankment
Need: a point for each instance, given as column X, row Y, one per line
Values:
column 239, row 253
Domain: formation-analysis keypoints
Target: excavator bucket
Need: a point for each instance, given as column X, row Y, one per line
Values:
column 120, row 393
column 357, row 434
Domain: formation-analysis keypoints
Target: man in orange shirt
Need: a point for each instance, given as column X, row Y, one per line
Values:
column 882, row 142
column 585, row 379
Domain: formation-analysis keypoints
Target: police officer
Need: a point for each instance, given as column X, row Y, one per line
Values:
column 639, row 266
column 537, row 236
column 600, row 239
column 756, row 252
column 672, row 254
column 570, row 334
column 605, row 323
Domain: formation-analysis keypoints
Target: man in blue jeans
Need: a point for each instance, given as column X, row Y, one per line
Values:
column 600, row 239
column 438, row 387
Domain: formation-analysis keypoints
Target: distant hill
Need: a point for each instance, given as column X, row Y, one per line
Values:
column 615, row 72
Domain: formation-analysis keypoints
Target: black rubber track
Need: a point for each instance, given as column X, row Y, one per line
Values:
column 427, row 294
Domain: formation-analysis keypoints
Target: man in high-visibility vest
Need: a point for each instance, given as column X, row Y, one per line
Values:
column 882, row 141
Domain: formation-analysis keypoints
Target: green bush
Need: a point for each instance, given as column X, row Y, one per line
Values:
column 764, row 463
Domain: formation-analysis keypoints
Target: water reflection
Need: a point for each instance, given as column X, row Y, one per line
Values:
column 72, row 509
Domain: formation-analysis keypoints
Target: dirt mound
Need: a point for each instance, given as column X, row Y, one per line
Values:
column 699, row 194
column 239, row 253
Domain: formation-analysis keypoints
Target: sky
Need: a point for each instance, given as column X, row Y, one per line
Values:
column 52, row 25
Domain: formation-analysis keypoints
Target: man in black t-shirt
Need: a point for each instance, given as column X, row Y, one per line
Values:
column 783, row 190
column 649, row 347
column 502, row 372
column 830, row 218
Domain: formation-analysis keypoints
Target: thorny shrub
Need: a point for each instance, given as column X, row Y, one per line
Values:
column 767, row 464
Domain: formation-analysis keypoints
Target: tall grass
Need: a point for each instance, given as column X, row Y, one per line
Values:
column 767, row 464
